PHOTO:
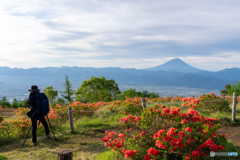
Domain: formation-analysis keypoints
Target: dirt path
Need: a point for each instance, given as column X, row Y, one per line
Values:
column 232, row 134
column 85, row 146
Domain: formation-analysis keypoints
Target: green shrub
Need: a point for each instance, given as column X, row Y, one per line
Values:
column 2, row 157
column 169, row 134
column 212, row 103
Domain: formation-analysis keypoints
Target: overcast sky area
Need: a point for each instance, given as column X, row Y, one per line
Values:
column 119, row 33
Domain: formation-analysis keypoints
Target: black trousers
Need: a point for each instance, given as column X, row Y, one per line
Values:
column 34, row 127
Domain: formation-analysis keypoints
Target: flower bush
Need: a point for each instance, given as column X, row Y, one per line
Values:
column 208, row 103
column 165, row 100
column 163, row 133
column 21, row 125
column 129, row 106
column 18, row 128
column 79, row 109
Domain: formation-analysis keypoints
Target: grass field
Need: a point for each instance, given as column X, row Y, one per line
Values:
column 85, row 142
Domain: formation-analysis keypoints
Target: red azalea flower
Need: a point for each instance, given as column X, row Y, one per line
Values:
column 129, row 116
column 188, row 129
column 182, row 134
column 135, row 137
column 121, row 135
column 195, row 154
column 112, row 133
column 180, row 145
column 214, row 134
column 159, row 144
column 220, row 147
column 184, row 105
column 203, row 154
column 192, row 112
column 190, row 141
column 165, row 110
column 171, row 131
column 184, row 121
column 146, row 157
column 142, row 133
column 104, row 139
column 152, row 151
column 129, row 153
column 174, row 112
column 163, row 106
column 158, row 134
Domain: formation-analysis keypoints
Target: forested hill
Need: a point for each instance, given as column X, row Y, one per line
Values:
column 208, row 80
column 176, row 76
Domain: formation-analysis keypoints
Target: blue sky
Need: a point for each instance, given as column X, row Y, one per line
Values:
column 119, row 33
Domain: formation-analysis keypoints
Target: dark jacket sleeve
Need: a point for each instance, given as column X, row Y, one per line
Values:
column 32, row 101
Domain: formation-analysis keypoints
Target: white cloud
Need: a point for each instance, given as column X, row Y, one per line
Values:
column 136, row 34
column 214, row 62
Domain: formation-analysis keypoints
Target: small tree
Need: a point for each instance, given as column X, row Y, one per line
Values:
column 68, row 90
column 59, row 101
column 225, row 91
column 97, row 89
column 144, row 93
column 229, row 89
column 15, row 103
column 24, row 103
column 235, row 87
column 130, row 93
column 4, row 102
column 153, row 95
column 50, row 93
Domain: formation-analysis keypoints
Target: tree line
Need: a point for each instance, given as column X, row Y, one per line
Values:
column 91, row 90
column 230, row 88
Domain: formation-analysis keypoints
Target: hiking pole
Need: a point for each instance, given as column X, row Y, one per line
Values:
column 27, row 135
column 51, row 128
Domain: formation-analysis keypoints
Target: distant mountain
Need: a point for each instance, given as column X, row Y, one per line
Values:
column 174, row 73
column 175, row 65
column 52, row 75
column 4, row 69
column 229, row 74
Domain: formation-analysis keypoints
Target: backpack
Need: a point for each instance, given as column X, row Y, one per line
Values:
column 42, row 104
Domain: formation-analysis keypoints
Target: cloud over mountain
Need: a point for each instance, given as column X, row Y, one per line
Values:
column 120, row 33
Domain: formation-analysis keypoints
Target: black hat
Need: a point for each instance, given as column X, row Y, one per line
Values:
column 33, row 88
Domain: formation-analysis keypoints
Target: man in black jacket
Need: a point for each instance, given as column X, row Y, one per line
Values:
column 34, row 115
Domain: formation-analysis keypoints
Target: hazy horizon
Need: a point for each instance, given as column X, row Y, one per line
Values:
column 113, row 67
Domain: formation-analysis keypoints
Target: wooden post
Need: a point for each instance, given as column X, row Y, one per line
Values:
column 144, row 103
column 65, row 154
column 234, row 105
column 70, row 118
